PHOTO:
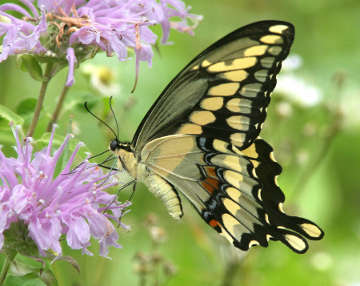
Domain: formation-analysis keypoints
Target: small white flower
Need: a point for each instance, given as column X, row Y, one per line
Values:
column 102, row 79
column 292, row 62
column 298, row 90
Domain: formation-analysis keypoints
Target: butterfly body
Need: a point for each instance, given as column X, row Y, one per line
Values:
column 155, row 184
column 200, row 139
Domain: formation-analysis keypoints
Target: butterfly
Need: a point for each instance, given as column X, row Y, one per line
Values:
column 201, row 139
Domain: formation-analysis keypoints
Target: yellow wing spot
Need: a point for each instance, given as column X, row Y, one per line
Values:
column 236, row 150
column 271, row 39
column 268, row 236
column 237, row 64
column 272, row 157
column 261, row 75
column 259, row 194
column 202, row 117
column 255, row 51
column 189, row 128
column 242, row 105
column 220, row 146
column 233, row 193
column 237, row 139
column 233, row 178
column 224, row 89
column 255, row 163
column 276, row 50
column 267, row 62
column 232, row 162
column 228, row 161
column 213, row 103
column 281, row 207
column 311, row 229
column 250, row 152
column 238, row 122
column 205, row 63
column 267, row 219
column 251, row 89
column 238, row 75
column 254, row 172
column 276, row 180
column 231, row 223
column 295, row 242
column 231, row 206
column 194, row 68
column 253, row 243
column 278, row 29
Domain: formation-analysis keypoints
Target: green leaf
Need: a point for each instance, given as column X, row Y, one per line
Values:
column 28, row 63
column 72, row 261
column 30, row 279
column 48, row 278
column 10, row 116
column 26, row 106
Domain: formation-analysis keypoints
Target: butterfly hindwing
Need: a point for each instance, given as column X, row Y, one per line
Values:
column 233, row 190
column 247, row 206
column 225, row 90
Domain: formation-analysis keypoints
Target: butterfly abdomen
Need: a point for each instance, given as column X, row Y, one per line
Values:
column 166, row 193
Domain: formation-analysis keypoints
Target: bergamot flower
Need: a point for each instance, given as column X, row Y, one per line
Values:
column 48, row 204
column 70, row 31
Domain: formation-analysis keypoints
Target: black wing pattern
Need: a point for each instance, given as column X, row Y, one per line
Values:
column 201, row 136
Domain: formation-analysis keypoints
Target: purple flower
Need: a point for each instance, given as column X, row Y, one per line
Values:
column 72, row 204
column 114, row 26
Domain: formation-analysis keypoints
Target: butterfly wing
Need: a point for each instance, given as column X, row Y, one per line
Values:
column 225, row 90
column 201, row 137
column 234, row 191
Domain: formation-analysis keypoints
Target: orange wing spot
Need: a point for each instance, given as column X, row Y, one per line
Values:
column 210, row 184
column 215, row 224
column 210, row 171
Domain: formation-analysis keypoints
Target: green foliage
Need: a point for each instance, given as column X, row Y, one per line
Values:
column 26, row 106
column 10, row 116
column 28, row 63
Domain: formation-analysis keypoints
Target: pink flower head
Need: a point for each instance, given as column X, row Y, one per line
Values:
column 54, row 26
column 72, row 204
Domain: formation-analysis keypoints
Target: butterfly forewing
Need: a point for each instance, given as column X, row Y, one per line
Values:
column 200, row 136
column 225, row 90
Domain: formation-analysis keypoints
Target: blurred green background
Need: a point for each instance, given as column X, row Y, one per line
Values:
column 317, row 144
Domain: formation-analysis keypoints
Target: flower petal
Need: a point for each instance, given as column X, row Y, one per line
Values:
column 70, row 56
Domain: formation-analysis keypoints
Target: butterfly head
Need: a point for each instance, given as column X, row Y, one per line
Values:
column 116, row 145
column 125, row 155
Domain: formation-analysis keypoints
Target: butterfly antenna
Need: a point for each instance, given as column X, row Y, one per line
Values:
column 98, row 118
column 97, row 155
column 108, row 159
column 113, row 113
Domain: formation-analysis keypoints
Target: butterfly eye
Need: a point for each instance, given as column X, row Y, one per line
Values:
column 114, row 145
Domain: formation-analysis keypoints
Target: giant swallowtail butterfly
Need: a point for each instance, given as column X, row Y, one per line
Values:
column 200, row 139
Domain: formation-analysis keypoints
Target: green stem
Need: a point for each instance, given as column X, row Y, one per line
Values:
column 58, row 108
column 44, row 84
column 5, row 269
